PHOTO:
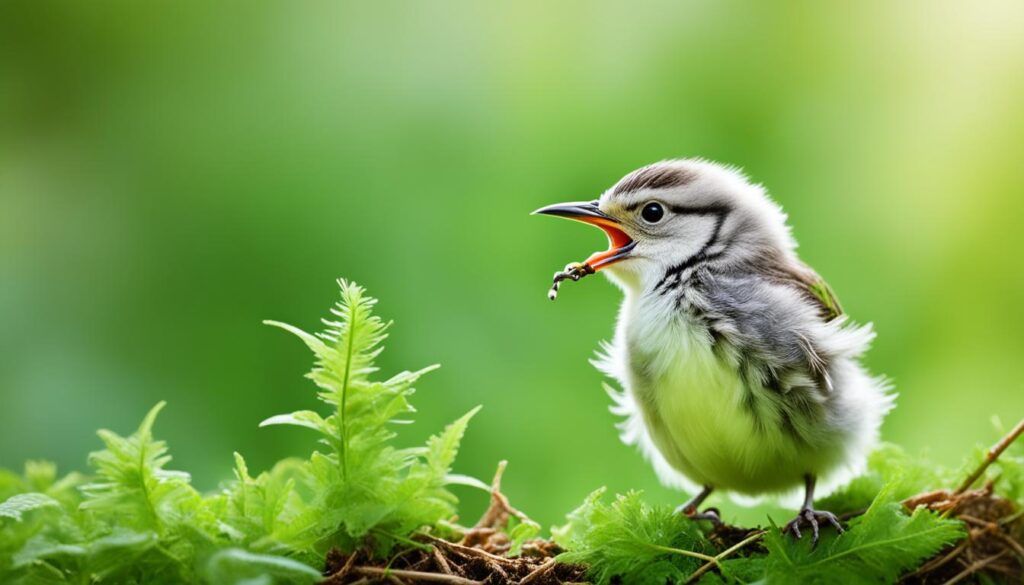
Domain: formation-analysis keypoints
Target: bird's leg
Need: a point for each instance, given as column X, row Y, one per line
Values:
column 690, row 509
column 811, row 516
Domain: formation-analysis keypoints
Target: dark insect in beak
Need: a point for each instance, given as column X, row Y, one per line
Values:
column 619, row 242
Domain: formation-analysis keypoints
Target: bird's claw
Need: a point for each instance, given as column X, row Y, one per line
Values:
column 812, row 517
column 710, row 514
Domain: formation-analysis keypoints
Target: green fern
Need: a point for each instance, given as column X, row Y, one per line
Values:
column 362, row 485
column 17, row 505
column 134, row 484
column 254, row 510
column 136, row 522
column 879, row 546
column 629, row 541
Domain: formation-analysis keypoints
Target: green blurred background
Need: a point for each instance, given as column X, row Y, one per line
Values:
column 173, row 173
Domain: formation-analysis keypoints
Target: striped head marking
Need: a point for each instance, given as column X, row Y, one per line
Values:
column 666, row 219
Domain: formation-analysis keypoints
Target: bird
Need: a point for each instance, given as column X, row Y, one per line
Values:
column 739, row 370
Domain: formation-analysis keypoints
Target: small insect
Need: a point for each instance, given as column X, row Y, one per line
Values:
column 574, row 271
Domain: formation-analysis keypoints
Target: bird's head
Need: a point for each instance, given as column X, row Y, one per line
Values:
column 678, row 213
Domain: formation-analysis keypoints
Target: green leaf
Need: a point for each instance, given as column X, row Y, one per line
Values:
column 122, row 556
column 236, row 566
column 442, row 448
column 256, row 508
column 629, row 541
column 300, row 418
column 466, row 480
column 15, row 506
column 519, row 532
column 133, row 485
column 879, row 546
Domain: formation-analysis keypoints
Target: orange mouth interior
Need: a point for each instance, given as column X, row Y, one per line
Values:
column 617, row 241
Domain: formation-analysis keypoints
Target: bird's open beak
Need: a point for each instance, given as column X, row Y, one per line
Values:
column 619, row 242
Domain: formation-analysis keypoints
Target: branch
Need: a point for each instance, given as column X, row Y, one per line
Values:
column 538, row 571
column 991, row 457
column 416, row 576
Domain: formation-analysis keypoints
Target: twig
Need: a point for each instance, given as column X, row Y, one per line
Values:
column 991, row 456
column 442, row 563
column 724, row 554
column 936, row 563
column 984, row 524
column 974, row 568
column 1016, row 546
column 1011, row 518
column 465, row 550
column 415, row 576
column 340, row 573
column 500, row 506
column 538, row 571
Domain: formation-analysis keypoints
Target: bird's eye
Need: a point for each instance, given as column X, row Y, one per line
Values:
column 652, row 212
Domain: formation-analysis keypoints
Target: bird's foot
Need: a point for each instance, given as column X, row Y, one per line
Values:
column 812, row 518
column 710, row 514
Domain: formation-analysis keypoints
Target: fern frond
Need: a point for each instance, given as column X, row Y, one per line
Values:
column 133, row 482
column 363, row 484
column 878, row 547
column 629, row 541
column 15, row 506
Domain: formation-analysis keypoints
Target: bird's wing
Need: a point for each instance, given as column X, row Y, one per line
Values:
column 779, row 334
column 825, row 296
column 814, row 287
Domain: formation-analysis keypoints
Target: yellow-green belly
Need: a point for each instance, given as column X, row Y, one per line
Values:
column 695, row 413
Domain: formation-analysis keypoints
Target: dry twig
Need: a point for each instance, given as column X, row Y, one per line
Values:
column 416, row 576
column 974, row 568
column 538, row 572
column 991, row 456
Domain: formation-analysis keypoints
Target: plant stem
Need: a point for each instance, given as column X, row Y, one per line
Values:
column 344, row 389
column 145, row 488
column 684, row 552
column 724, row 555
column 417, row 576
column 991, row 457
column 402, row 539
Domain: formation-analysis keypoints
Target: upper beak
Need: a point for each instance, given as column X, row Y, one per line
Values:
column 619, row 242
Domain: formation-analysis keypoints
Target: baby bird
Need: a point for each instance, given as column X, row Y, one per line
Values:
column 740, row 371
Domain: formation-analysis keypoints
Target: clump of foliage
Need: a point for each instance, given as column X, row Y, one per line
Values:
column 136, row 521
column 359, row 509
column 362, row 485
column 897, row 529
column 632, row 541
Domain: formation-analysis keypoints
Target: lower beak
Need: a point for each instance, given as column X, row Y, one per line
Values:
column 619, row 242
